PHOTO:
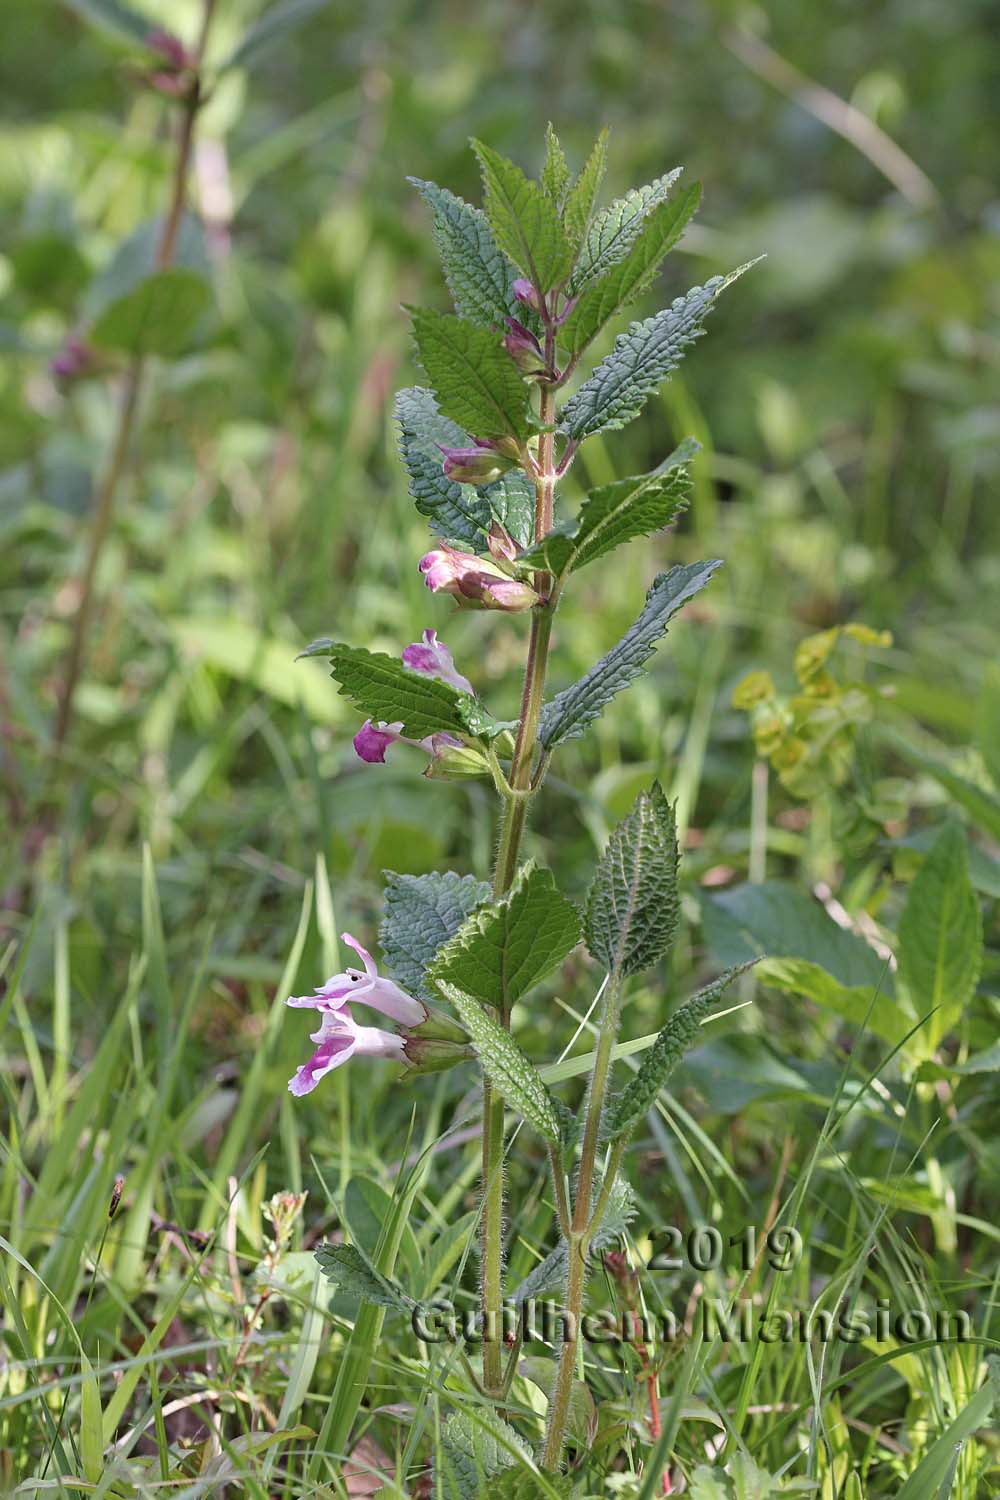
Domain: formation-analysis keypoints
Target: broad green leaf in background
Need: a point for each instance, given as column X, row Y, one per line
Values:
column 988, row 723
column 352, row 1272
column 615, row 513
column 475, row 381
column 479, row 275
column 158, row 316
column 568, row 714
column 420, row 914
column 383, row 689
column 274, row 26
column 506, row 1065
column 633, row 903
column 578, row 209
column 860, row 1004
column 524, row 220
column 941, row 936
column 677, row 1037
column 614, row 230
column 136, row 258
column 780, row 920
column 502, row 950
column 600, row 302
column 642, row 358
column 113, row 17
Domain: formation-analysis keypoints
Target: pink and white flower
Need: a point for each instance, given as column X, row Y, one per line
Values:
column 339, row 1037
column 373, row 740
column 367, row 988
column 475, row 580
column 433, row 659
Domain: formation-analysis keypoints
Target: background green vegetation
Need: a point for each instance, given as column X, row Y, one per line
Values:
column 208, row 806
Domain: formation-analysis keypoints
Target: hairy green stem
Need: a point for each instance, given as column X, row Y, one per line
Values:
column 585, row 1223
column 508, row 850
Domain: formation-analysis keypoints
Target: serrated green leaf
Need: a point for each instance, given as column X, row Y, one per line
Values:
column 505, row 948
column 522, row 1484
column 384, row 690
column 460, row 512
column 643, row 356
column 678, row 1036
column 420, row 914
column 556, row 174
column 633, row 902
column 158, row 316
column 613, row 232
column 506, row 1065
column 524, row 220
column 568, row 714
column 941, row 936
column 475, row 381
column 350, row 1270
column 479, row 275
column 456, row 511
column 600, row 302
column 579, row 206
column 477, row 1446
column 614, row 514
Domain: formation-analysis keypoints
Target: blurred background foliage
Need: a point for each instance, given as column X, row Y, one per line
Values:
column 847, row 399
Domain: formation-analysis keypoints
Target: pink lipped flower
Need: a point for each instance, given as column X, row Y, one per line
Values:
column 433, row 659
column 373, row 740
column 474, row 580
column 339, row 1036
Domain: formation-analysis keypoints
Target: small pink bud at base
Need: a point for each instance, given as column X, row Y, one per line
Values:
column 500, row 542
column 478, row 465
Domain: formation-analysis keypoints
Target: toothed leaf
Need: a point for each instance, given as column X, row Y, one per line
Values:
column 678, row 1036
column 579, row 207
column 524, row 220
column 509, row 1069
column 616, row 513
column 613, row 232
column 475, row 381
column 567, row 715
column 420, row 914
column 479, row 276
column 599, row 303
column 642, row 358
column 633, row 903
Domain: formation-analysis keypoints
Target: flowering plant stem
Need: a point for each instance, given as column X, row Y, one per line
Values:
column 508, row 849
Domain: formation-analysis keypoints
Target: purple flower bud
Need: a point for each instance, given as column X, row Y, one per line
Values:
column 75, row 359
column 525, row 292
column 524, row 349
column 478, row 465
column 500, row 542
column 171, row 48
column 473, row 580
column 571, row 303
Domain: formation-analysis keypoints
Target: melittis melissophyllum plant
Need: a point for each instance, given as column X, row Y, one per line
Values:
column 536, row 276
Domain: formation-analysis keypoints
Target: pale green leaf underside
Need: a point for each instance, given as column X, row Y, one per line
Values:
column 643, row 356
column 600, row 302
column 633, row 902
column 615, row 513
column 614, row 230
column 504, row 949
column 479, row 276
column 475, row 381
column 677, row 1037
column 569, row 713
column 420, row 914
column 524, row 220
column 509, row 1069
